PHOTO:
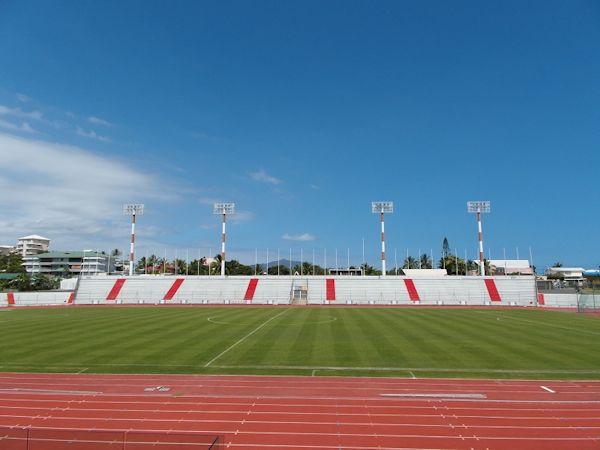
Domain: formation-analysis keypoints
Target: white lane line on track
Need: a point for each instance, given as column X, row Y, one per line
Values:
column 434, row 395
column 244, row 338
column 548, row 389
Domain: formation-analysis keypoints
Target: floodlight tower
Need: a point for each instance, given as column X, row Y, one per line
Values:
column 224, row 209
column 479, row 207
column 132, row 209
column 381, row 208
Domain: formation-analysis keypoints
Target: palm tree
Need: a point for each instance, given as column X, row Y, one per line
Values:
column 425, row 261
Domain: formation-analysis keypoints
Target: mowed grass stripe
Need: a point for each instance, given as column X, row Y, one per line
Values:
column 432, row 342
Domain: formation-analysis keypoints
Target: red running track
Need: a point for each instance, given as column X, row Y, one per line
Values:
column 255, row 412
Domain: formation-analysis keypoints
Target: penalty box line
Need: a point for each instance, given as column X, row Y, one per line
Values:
column 244, row 338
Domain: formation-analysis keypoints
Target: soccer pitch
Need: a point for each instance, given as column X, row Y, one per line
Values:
column 405, row 342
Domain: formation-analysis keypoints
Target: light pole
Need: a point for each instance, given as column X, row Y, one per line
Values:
column 224, row 209
column 381, row 208
column 132, row 209
column 479, row 207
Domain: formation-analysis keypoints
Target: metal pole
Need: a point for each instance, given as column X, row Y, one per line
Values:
column 132, row 243
column 363, row 251
column 396, row 261
column 267, row 261
column 480, row 238
column 301, row 262
column 278, row 262
column 382, row 245
column 313, row 268
column 223, row 245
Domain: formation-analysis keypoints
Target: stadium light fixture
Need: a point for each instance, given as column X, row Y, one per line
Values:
column 381, row 208
column 223, row 209
column 132, row 209
column 479, row 207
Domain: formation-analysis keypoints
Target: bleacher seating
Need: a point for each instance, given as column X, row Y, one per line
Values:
column 335, row 290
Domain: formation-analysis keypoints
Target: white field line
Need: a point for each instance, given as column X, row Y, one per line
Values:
column 244, row 338
column 412, row 374
column 548, row 389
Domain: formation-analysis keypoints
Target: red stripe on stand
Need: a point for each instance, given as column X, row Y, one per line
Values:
column 71, row 298
column 492, row 290
column 10, row 298
column 330, row 289
column 114, row 292
column 251, row 289
column 412, row 290
column 173, row 289
column 541, row 299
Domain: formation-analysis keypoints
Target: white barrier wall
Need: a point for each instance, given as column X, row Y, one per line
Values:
column 501, row 291
column 39, row 298
column 558, row 300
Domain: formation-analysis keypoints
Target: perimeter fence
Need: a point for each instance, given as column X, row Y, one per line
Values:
column 30, row 438
column 588, row 302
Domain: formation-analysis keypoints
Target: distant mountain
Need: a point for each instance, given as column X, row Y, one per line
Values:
column 282, row 262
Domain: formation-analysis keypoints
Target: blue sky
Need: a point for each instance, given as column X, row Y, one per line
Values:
column 303, row 113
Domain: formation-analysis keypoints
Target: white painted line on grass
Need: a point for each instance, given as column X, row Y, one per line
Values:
column 548, row 389
column 244, row 338
column 412, row 374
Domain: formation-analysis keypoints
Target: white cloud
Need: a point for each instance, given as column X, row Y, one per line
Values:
column 92, row 135
column 298, row 237
column 263, row 177
column 24, row 126
column 242, row 216
column 68, row 194
column 18, row 112
column 314, row 187
column 208, row 200
column 98, row 121
column 23, row 98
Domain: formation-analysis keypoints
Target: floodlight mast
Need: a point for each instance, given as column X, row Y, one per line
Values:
column 132, row 209
column 381, row 208
column 223, row 209
column 479, row 207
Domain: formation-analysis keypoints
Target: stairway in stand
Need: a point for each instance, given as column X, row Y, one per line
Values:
column 300, row 292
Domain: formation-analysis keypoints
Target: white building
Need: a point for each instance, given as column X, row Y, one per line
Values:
column 69, row 263
column 6, row 250
column 566, row 273
column 511, row 267
column 32, row 245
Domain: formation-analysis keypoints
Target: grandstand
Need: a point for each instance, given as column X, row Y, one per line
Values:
column 285, row 290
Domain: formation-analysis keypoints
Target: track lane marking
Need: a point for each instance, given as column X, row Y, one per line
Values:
column 244, row 338
column 548, row 389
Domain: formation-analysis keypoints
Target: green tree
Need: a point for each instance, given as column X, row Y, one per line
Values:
column 369, row 270
column 410, row 263
column 445, row 248
column 11, row 263
column 425, row 261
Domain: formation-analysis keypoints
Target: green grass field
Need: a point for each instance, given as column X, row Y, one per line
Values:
column 474, row 343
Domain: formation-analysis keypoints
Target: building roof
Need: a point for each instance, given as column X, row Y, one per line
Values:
column 34, row 236
column 67, row 254
column 510, row 263
column 9, row 276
